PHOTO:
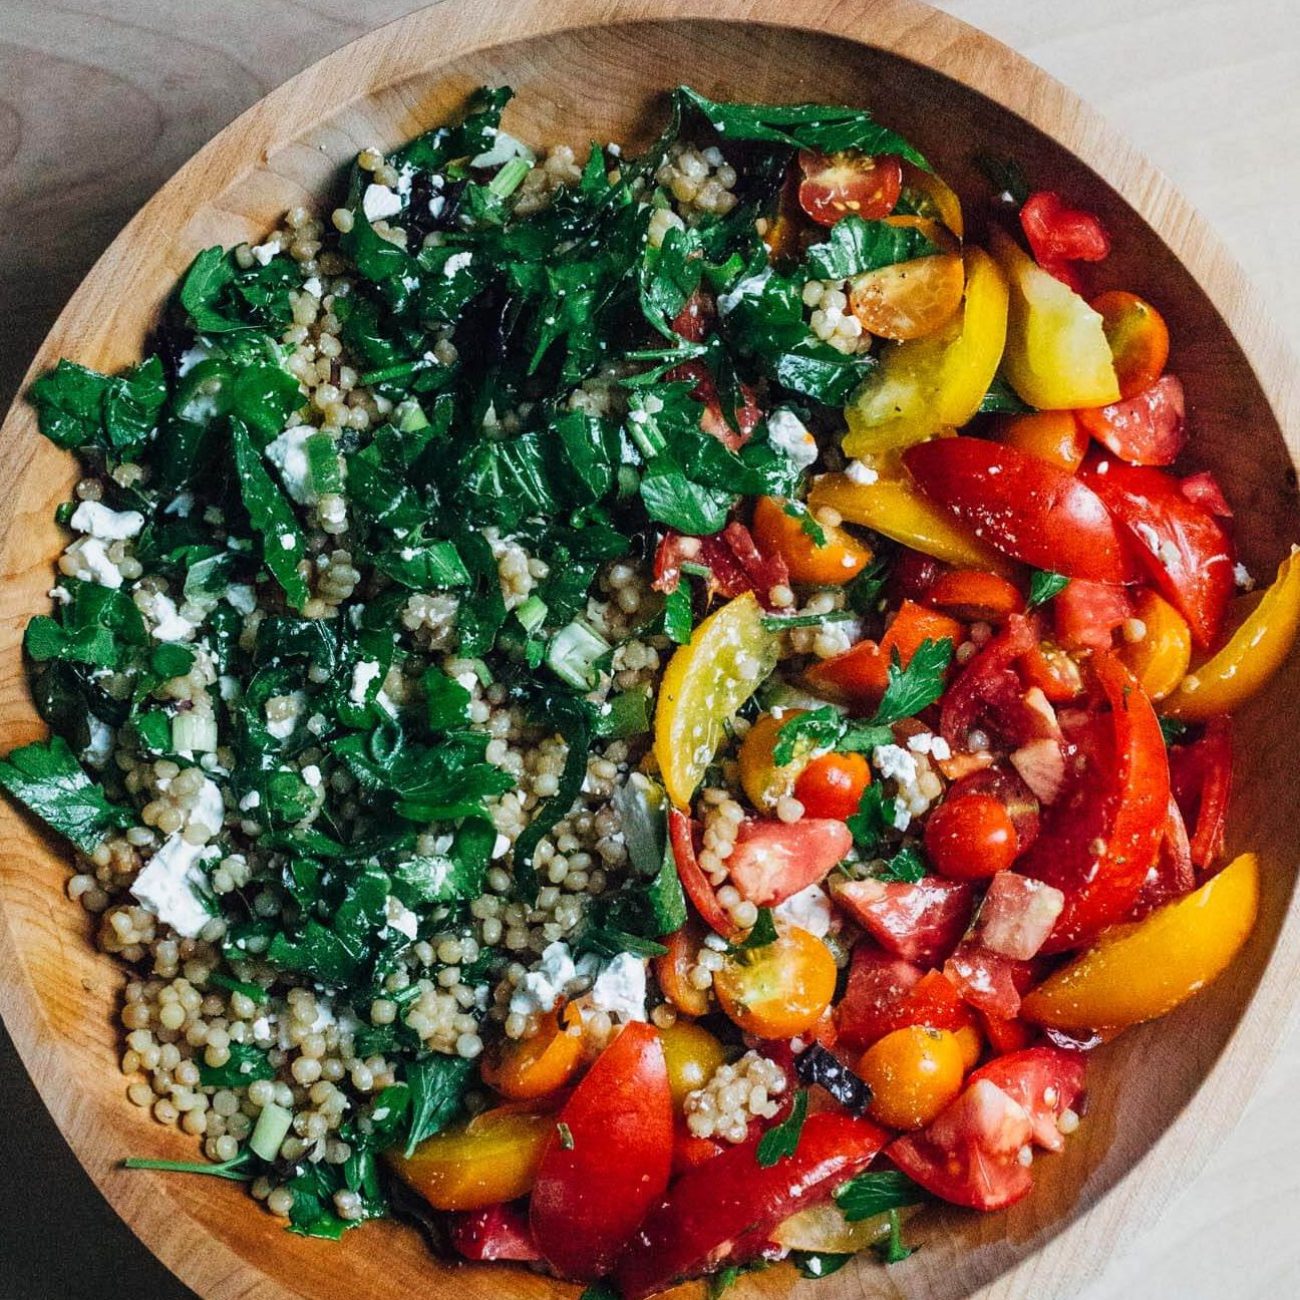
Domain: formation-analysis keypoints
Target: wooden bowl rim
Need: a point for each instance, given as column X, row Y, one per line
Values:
column 910, row 30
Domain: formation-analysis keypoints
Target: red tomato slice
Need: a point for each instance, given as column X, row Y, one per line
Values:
column 773, row 860
column 1173, row 874
column 1148, row 429
column 497, row 1232
column 1100, row 839
column 1045, row 1081
column 980, row 696
column 1086, row 614
column 970, row 1155
column 885, row 993
column 696, row 320
column 681, row 835
column 839, row 184
column 1203, row 490
column 1025, row 506
column 724, row 1211
column 1182, row 547
column 732, row 557
column 1057, row 233
column 986, row 980
column 972, row 595
column 595, row 1187
column 1049, row 668
column 1201, row 777
column 919, row 922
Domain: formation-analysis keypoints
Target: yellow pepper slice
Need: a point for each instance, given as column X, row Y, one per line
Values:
column 1255, row 651
column 1141, row 971
column 893, row 506
column 1057, row 357
column 1159, row 658
column 926, row 384
column 706, row 681
column 492, row 1158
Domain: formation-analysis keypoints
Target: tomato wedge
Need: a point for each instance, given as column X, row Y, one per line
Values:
column 835, row 185
column 972, row 595
column 497, row 1232
column 1138, row 338
column 886, row 993
column 1146, row 429
column 1058, row 234
column 1025, row 506
column 595, row 1186
column 1183, row 548
column 773, row 860
column 673, row 968
column 1101, row 837
column 970, row 1155
column 723, row 1212
column 1087, row 613
column 1201, row 777
column 986, row 683
column 919, row 922
column 1045, row 1081
column 681, row 835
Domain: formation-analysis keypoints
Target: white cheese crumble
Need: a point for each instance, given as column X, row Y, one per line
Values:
column 620, row 988
column 60, row 595
column 108, row 525
column 181, row 505
column 100, row 746
column 456, row 262
column 90, row 551
column 859, row 472
column 555, row 977
column 894, row 761
column 809, row 909
column 379, row 201
column 242, row 596
column 171, row 886
column 251, row 800
column 288, row 453
column 312, row 775
column 926, row 742
column 208, row 809
column 501, row 846
column 750, row 287
column 401, row 918
column 787, row 434
column 362, row 675
column 282, row 728
column 263, row 253
column 1241, row 576
column 168, row 625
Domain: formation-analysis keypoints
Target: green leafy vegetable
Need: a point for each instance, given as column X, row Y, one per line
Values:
column 893, row 1250
column 816, row 1264
column 782, row 1140
column 48, row 779
column 1043, row 585
column 437, row 1088
column 875, row 1193
column 283, row 546
column 247, row 1064
column 855, row 246
column 916, row 686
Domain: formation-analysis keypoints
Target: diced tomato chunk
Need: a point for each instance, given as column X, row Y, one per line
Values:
column 1017, row 915
column 1059, row 235
column 1045, row 1081
column 773, row 860
column 1087, row 613
column 986, row 979
column 497, row 1232
column 1201, row 778
column 919, row 922
column 1147, row 429
column 1203, row 490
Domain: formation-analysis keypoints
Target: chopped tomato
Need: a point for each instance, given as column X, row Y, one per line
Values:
column 909, row 300
column 1045, row 1081
column 970, row 1155
column 1173, row 874
column 779, row 989
column 692, row 1054
column 919, row 922
column 536, row 1066
column 832, row 562
column 1146, row 429
column 1203, row 489
column 723, row 1212
column 974, row 596
column 610, row 1162
column 733, row 559
column 835, row 185
column 1086, row 614
column 1006, row 1035
column 971, row 837
column 495, row 1232
column 885, row 993
column 1098, row 841
column 1017, row 915
column 690, row 1151
column 673, row 968
column 986, row 684
column 1200, row 775
column 1053, row 671
column 1059, row 235
column 986, row 979
column 773, row 860
column 733, row 433
column 913, row 1074
column 1160, row 655
column 1030, row 509
column 1054, row 436
column 1138, row 338
column 1183, row 548
column 861, row 674
column 697, row 318
column 831, row 785
column 681, row 836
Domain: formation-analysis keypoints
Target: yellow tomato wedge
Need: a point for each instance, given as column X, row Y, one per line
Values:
column 927, row 384
column 823, row 1230
column 1141, row 971
column 1159, row 657
column 706, row 681
column 1057, row 356
column 692, row 1055
column 892, row 505
column 1255, row 651
column 760, row 777
column 491, row 1159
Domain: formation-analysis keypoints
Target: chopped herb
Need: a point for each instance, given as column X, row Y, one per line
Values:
column 1043, row 585
column 48, row 779
column 906, row 865
column 1002, row 399
column 893, row 1250
column 875, row 815
column 437, row 1088
column 916, row 686
column 234, row 1170
column 817, row 1264
column 874, row 1193
column 1174, row 730
column 782, row 1140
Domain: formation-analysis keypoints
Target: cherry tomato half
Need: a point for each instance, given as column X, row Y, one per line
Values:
column 1055, row 436
column 831, row 562
column 835, row 185
column 780, row 989
column 534, row 1067
column 913, row 1074
column 909, row 300
column 971, row 838
column 1138, row 338
column 832, row 785
column 973, row 596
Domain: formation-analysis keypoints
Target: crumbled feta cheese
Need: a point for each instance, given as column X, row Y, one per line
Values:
column 171, row 886
column 894, row 761
column 168, row 624
column 286, row 541
column 501, row 846
column 1241, row 576
column 858, row 471
column 60, row 595
column 209, row 808
column 263, row 1031
column 810, row 909
column 787, row 433
column 401, row 918
column 242, row 597
column 503, row 148
column 288, row 453
column 940, row 749
column 362, row 675
column 108, row 525
column 265, row 252
column 554, row 977
column 902, row 815
column 228, row 687
column 379, row 201
column 250, row 801
column 90, row 551
column 312, row 775
column 282, row 728
column 181, row 505
column 750, row 287
column 620, row 988
column 456, row 262
column 100, row 746
column 190, row 358
column 314, row 287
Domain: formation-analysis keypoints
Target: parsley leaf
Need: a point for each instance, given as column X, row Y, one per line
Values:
column 1002, row 399
column 816, row 1264
column 893, row 1250
column 874, row 816
column 916, row 686
column 826, row 729
column 48, row 779
column 782, row 1140
column 246, row 1065
column 283, row 545
column 870, row 1194
column 811, row 528
column 906, row 865
column 78, row 407
column 1043, row 585
column 855, row 246
column 437, row 1087
column 1174, row 730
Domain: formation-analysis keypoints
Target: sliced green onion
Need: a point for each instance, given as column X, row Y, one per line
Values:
column 627, row 714
column 572, row 654
column 323, row 470
column 778, row 622
column 510, row 177
column 270, row 1130
column 410, row 416
column 482, row 672
column 194, row 733
column 531, row 614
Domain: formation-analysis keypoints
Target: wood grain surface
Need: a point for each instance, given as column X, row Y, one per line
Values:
column 99, row 103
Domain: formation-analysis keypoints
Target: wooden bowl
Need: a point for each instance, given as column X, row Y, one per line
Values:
column 1163, row 1094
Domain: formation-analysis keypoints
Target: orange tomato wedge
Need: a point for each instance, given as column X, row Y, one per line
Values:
column 532, row 1067
column 1138, row 338
column 1138, row 972
column 974, row 596
column 829, row 563
column 1054, row 436
column 1159, row 657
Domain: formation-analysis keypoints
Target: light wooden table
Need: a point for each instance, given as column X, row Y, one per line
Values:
column 99, row 102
